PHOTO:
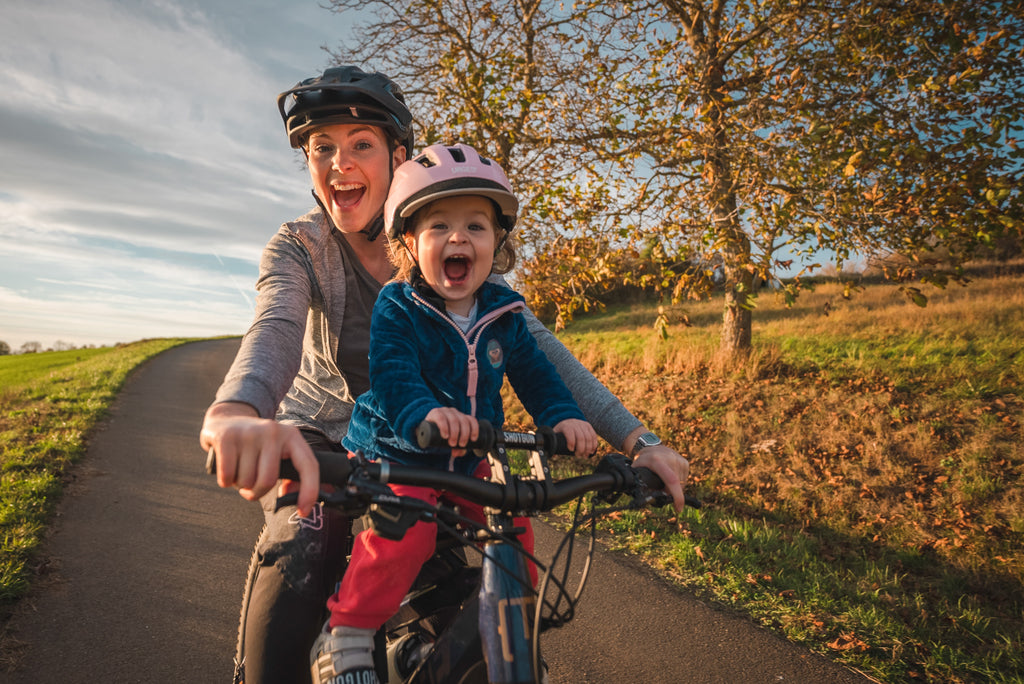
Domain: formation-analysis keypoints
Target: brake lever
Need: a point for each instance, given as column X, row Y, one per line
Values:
column 347, row 501
column 657, row 499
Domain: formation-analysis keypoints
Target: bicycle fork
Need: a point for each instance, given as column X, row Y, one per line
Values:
column 506, row 615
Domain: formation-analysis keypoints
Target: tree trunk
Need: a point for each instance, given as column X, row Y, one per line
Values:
column 736, row 320
column 734, row 242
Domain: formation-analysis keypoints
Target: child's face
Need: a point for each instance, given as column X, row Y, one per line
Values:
column 454, row 242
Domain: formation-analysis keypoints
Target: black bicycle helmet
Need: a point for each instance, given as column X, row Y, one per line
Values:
column 346, row 94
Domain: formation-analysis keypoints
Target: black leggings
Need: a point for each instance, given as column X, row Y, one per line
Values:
column 294, row 568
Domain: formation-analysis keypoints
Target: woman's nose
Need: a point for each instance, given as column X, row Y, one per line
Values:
column 342, row 160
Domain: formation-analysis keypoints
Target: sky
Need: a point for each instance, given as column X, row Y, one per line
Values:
column 143, row 162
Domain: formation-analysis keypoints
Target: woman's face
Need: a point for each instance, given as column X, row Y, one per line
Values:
column 454, row 241
column 349, row 165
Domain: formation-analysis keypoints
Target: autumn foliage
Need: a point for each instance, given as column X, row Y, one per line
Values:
column 863, row 471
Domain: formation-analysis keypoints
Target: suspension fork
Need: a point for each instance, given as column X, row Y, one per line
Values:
column 507, row 604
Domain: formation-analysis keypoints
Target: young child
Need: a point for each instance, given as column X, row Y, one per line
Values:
column 442, row 338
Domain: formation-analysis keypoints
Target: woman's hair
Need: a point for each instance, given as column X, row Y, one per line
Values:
column 401, row 254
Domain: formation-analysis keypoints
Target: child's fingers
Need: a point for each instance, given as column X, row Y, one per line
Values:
column 468, row 429
column 580, row 437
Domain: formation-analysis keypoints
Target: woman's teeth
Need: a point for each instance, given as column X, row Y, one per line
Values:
column 348, row 193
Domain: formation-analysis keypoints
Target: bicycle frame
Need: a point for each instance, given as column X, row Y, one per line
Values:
column 460, row 624
column 505, row 603
column 493, row 624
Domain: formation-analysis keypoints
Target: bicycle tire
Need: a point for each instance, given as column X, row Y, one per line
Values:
column 250, row 575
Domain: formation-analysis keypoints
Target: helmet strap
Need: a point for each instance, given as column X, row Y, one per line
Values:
column 373, row 230
column 327, row 214
column 423, row 287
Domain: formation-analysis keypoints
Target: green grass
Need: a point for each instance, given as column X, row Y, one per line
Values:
column 49, row 403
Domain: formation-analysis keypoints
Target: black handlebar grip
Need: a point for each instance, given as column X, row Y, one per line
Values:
column 651, row 479
column 427, row 435
column 334, row 467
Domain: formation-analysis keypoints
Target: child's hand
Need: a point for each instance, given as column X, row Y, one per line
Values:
column 579, row 436
column 455, row 426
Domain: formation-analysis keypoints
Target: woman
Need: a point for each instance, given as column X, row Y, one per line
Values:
column 303, row 362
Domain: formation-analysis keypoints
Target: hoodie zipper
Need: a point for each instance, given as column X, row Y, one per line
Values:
column 471, row 338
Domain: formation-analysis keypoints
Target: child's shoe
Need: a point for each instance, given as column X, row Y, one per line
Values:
column 343, row 655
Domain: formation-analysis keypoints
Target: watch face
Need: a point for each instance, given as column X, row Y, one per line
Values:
column 647, row 439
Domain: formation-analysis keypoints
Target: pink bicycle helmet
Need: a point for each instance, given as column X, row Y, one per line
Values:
column 443, row 171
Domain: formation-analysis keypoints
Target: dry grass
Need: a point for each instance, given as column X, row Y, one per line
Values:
column 877, row 435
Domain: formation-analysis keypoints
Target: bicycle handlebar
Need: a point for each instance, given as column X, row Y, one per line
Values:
column 613, row 474
column 427, row 435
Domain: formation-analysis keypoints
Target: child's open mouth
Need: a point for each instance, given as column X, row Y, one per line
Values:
column 456, row 269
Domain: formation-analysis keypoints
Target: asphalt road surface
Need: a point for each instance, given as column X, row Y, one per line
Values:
column 143, row 572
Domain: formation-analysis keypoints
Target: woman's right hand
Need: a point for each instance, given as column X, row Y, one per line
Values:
column 249, row 451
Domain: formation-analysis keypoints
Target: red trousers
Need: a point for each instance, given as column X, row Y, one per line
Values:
column 382, row 571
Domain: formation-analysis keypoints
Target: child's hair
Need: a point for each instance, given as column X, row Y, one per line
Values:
column 401, row 256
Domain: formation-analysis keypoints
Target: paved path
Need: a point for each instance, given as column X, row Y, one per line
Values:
column 148, row 557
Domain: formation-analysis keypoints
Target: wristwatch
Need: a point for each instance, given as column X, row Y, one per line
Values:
column 648, row 439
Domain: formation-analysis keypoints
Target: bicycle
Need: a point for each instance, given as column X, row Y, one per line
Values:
column 468, row 624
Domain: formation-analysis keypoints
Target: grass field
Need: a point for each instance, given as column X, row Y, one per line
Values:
column 862, row 472
column 49, row 402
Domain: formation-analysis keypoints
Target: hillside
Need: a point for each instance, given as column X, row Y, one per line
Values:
column 863, row 471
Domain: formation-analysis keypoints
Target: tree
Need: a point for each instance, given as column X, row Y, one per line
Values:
column 738, row 134
column 31, row 348
column 5, row 348
column 492, row 75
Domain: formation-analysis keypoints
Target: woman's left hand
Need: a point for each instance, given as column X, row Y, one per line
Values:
column 670, row 466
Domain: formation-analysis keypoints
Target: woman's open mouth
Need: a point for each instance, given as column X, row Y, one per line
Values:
column 349, row 194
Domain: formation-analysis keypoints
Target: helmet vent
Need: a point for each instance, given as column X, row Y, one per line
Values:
column 457, row 154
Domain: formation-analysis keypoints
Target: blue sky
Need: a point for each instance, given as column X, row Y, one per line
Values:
column 143, row 164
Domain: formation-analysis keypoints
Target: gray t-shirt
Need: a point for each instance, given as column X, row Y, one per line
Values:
column 354, row 342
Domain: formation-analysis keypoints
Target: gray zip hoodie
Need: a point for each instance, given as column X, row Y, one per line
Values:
column 286, row 365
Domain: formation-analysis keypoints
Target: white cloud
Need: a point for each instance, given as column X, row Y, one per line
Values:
column 143, row 164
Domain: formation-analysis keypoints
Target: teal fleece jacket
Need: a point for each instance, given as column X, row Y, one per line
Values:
column 420, row 360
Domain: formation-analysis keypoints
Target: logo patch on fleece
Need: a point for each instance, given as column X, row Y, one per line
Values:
column 494, row 353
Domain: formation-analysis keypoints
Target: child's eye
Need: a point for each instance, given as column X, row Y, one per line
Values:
column 477, row 226
column 439, row 226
